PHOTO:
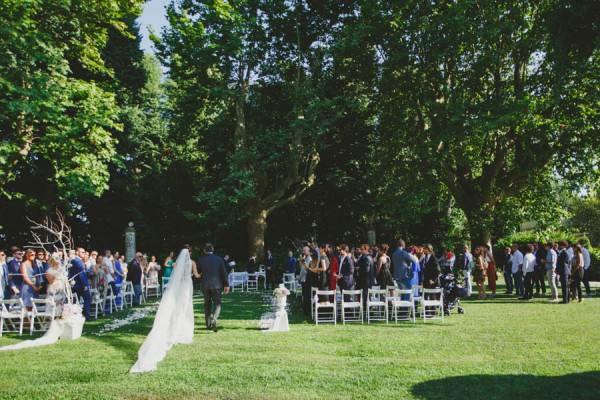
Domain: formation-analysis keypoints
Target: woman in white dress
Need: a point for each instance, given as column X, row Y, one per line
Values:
column 174, row 321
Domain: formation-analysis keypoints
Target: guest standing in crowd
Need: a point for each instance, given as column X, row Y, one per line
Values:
column 587, row 261
column 480, row 271
column 168, row 264
column 528, row 271
column 15, row 278
column 563, row 271
column 539, row 271
column 305, row 261
column 384, row 276
column 29, row 289
column 491, row 269
column 577, row 272
column 334, row 264
column 517, row 270
column 109, row 271
column 466, row 265
column 345, row 278
column 323, row 267
column 364, row 270
column 549, row 263
column 81, row 287
column 431, row 270
column 270, row 270
column 135, row 275
column 3, row 274
column 290, row 264
column 402, row 266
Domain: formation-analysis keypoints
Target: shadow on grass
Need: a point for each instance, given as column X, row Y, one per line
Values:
column 583, row 385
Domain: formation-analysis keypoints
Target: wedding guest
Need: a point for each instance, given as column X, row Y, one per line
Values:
column 305, row 261
column 466, row 265
column 549, row 263
column 323, row 267
column 507, row 270
column 334, row 269
column 290, row 264
column 491, row 269
column 29, row 289
column 152, row 271
column 577, row 272
column 384, row 276
column 402, row 263
column 517, row 270
column 91, row 269
column 364, row 268
column 81, row 287
column 135, row 275
column 480, row 271
column 252, row 264
column 587, row 261
column 269, row 270
column 415, row 268
column 123, row 265
column 229, row 264
column 3, row 274
column 15, row 278
column 431, row 271
column 345, row 278
column 528, row 271
column 539, row 271
column 39, row 269
column 109, row 271
column 563, row 271
column 168, row 264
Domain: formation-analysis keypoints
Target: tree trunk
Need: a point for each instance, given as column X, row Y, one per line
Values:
column 480, row 223
column 256, row 228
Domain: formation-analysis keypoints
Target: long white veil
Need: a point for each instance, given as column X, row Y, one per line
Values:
column 174, row 321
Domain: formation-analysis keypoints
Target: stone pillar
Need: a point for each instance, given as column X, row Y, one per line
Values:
column 130, row 246
column 371, row 237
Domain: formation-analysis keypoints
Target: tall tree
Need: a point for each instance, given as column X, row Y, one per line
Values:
column 473, row 91
column 246, row 78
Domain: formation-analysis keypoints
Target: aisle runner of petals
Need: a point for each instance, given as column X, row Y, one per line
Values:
column 267, row 319
column 133, row 317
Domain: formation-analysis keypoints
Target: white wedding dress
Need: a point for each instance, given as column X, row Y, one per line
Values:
column 174, row 321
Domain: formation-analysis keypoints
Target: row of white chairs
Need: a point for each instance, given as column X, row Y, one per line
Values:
column 14, row 315
column 380, row 305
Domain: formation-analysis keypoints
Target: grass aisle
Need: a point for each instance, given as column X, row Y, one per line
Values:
column 501, row 348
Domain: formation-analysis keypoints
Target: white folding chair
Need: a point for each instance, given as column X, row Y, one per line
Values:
column 252, row 282
column 432, row 304
column 96, row 302
column 12, row 317
column 352, row 310
column 109, row 297
column 418, row 298
column 377, row 309
column 237, row 280
column 325, row 311
column 165, row 282
column 152, row 287
column 128, row 293
column 41, row 315
column 289, row 281
column 407, row 306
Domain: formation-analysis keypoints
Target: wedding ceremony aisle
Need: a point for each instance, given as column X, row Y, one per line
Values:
column 500, row 348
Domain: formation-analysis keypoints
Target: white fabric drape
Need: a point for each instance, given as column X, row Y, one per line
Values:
column 174, row 321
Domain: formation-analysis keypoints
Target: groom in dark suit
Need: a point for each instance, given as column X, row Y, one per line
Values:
column 211, row 269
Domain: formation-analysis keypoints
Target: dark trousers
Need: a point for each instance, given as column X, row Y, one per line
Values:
column 508, row 278
column 529, row 276
column 306, row 298
column 539, row 279
column 212, row 296
column 564, row 287
column 586, row 281
column 576, row 286
column 87, row 299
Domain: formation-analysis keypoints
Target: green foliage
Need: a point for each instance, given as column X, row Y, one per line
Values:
column 586, row 217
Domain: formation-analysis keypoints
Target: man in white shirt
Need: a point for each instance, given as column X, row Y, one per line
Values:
column 109, row 278
column 587, row 261
column 517, row 270
column 528, row 268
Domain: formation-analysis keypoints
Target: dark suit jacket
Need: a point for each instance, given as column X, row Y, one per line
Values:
column 15, row 279
column 562, row 264
column 270, row 263
column 347, row 272
column 365, row 275
column 214, row 275
column 134, row 272
column 251, row 265
column 77, row 271
column 431, row 273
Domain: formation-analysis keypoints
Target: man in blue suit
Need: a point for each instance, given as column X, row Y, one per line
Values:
column 81, row 287
column 402, row 262
column 346, row 272
column 15, row 279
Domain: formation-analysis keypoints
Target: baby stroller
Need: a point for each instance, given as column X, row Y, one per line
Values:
column 453, row 291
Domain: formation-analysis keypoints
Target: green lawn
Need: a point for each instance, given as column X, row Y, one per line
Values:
column 499, row 349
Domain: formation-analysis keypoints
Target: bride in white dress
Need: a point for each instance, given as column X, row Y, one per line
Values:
column 174, row 321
